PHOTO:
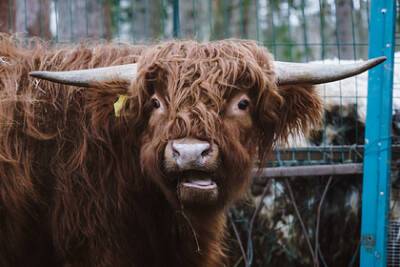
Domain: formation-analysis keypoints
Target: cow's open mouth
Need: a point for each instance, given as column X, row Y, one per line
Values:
column 197, row 187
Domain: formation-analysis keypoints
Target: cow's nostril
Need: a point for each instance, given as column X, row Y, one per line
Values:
column 206, row 152
column 175, row 152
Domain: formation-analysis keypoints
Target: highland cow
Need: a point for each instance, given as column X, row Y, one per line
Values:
column 147, row 183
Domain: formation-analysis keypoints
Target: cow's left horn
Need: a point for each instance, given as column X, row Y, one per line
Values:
column 316, row 73
column 87, row 77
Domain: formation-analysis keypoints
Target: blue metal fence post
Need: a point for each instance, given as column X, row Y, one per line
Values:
column 377, row 155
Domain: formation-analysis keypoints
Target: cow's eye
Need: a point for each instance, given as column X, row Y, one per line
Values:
column 155, row 103
column 243, row 104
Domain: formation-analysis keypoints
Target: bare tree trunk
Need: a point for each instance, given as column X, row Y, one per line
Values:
column 147, row 20
column 33, row 18
column 107, row 21
column 203, row 20
column 82, row 19
column 140, row 20
column 344, row 28
column 187, row 15
column 219, row 20
column 237, row 23
column 7, row 15
column 155, row 19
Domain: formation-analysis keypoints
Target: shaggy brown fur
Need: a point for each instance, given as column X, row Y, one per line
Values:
column 81, row 187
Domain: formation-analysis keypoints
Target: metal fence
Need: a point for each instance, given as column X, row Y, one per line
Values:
column 291, row 213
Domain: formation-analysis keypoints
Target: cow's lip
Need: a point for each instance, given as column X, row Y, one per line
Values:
column 197, row 188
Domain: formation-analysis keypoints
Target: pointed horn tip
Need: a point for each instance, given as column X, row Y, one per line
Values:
column 44, row 75
column 38, row 74
column 49, row 76
column 370, row 63
column 377, row 60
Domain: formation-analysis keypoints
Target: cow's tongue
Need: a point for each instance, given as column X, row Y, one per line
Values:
column 207, row 184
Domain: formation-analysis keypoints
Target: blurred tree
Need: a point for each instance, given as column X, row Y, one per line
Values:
column 243, row 19
column 284, row 29
column 344, row 28
column 7, row 16
column 80, row 19
column 219, row 10
column 155, row 10
column 361, row 21
column 138, row 20
column 201, row 19
column 188, row 18
column 33, row 17
column 107, row 19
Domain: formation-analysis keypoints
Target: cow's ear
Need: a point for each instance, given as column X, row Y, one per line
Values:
column 286, row 110
column 301, row 109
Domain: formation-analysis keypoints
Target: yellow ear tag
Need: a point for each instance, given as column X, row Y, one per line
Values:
column 119, row 104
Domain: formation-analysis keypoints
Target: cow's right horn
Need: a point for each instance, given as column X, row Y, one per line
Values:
column 315, row 73
column 88, row 77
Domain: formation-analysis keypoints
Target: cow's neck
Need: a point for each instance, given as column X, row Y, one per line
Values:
column 205, row 233
column 185, row 238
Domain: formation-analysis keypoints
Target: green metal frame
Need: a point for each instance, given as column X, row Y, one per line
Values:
column 377, row 154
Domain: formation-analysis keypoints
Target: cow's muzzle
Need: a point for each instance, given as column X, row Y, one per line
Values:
column 191, row 154
column 194, row 162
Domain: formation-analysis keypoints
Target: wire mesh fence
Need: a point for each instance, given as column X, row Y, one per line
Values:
column 296, row 30
column 298, row 222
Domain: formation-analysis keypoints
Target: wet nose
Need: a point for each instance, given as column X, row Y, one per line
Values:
column 186, row 151
column 191, row 153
